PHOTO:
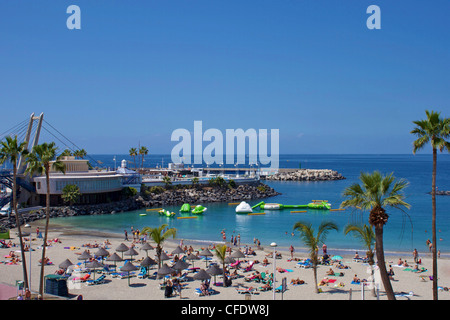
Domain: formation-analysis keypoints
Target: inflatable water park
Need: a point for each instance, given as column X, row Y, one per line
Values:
column 244, row 207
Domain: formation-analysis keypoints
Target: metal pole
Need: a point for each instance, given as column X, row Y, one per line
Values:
column 362, row 290
column 274, row 245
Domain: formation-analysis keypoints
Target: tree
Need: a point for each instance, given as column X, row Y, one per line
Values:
column 133, row 153
column 71, row 194
column 10, row 151
column 167, row 181
column 66, row 153
column 377, row 192
column 434, row 130
column 195, row 182
column 312, row 241
column 159, row 235
column 366, row 236
column 80, row 154
column 143, row 151
column 221, row 251
column 40, row 161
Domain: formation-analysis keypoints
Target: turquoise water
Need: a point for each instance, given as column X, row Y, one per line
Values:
column 404, row 231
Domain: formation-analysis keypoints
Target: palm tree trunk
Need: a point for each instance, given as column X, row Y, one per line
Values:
column 433, row 222
column 315, row 277
column 382, row 263
column 158, row 253
column 44, row 246
column 19, row 229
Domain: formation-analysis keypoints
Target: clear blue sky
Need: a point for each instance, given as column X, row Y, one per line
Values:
column 137, row 70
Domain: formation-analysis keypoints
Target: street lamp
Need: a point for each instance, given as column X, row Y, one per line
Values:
column 273, row 245
column 29, row 249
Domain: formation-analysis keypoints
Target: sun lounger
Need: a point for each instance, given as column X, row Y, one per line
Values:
column 142, row 273
column 250, row 290
column 125, row 275
column 199, row 292
column 183, row 278
column 99, row 280
column 81, row 279
column 405, row 294
column 304, row 264
column 279, row 288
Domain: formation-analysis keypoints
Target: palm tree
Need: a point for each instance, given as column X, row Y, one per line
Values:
column 40, row 161
column 366, row 235
column 10, row 151
column 167, row 181
column 435, row 130
column 133, row 153
column 143, row 151
column 221, row 251
column 71, row 194
column 66, row 153
column 159, row 235
column 376, row 193
column 312, row 241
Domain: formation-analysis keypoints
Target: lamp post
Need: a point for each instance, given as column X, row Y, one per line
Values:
column 273, row 245
column 29, row 249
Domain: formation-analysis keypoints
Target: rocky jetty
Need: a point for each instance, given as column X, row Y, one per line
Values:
column 441, row 193
column 154, row 197
column 306, row 175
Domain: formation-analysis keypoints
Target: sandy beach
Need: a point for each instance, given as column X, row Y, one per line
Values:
column 407, row 284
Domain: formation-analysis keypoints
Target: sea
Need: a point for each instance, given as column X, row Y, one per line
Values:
column 405, row 230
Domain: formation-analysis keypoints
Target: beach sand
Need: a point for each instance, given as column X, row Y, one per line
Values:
column 405, row 282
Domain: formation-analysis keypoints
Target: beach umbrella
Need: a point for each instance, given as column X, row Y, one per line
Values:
column 229, row 260
column 178, row 250
column 214, row 270
column 164, row 256
column 337, row 258
column 128, row 267
column 192, row 257
column 237, row 254
column 114, row 257
column 122, row 248
column 165, row 270
column 180, row 265
column 85, row 256
column 147, row 262
column 206, row 253
column 65, row 264
column 131, row 252
column 147, row 247
column 102, row 252
column 94, row 264
column 202, row 275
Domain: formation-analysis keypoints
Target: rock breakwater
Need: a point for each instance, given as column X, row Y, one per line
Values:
column 306, row 175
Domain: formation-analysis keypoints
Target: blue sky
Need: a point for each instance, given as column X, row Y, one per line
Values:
column 137, row 70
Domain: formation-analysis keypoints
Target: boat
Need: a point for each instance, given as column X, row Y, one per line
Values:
column 244, row 207
column 199, row 209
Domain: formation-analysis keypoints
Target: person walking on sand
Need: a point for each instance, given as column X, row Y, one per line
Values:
column 416, row 256
column 291, row 249
column 126, row 235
